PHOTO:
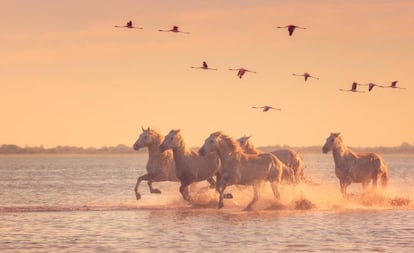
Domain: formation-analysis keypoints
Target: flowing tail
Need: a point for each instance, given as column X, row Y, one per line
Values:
column 384, row 179
column 286, row 173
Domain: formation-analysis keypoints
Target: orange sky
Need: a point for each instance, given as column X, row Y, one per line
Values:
column 69, row 78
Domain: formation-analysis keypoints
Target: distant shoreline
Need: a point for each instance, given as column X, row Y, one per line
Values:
column 404, row 148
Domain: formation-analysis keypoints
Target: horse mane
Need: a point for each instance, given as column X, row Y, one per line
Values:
column 183, row 145
column 157, row 134
column 230, row 142
column 344, row 148
column 251, row 147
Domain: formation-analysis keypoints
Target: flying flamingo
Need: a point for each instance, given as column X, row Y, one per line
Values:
column 266, row 108
column 242, row 71
column 291, row 28
column 174, row 30
column 205, row 66
column 353, row 88
column 394, row 85
column 306, row 76
column 371, row 86
column 128, row 25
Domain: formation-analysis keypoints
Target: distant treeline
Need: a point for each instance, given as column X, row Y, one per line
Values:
column 404, row 148
column 14, row 149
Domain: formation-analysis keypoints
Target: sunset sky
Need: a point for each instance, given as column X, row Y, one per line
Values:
column 68, row 77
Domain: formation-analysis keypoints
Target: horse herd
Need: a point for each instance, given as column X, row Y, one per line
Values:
column 223, row 161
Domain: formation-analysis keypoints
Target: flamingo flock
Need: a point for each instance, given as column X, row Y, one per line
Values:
column 242, row 71
column 371, row 86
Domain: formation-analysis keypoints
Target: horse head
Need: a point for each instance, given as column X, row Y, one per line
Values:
column 145, row 139
column 245, row 144
column 332, row 142
column 171, row 140
column 210, row 144
column 244, row 140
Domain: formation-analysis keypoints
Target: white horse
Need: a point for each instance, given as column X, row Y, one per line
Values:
column 352, row 167
column 190, row 166
column 160, row 166
column 291, row 158
column 239, row 168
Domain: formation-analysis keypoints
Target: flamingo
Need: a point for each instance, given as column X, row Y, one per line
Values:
column 128, row 25
column 205, row 66
column 306, row 76
column 394, row 85
column 371, row 86
column 291, row 28
column 353, row 88
column 266, row 108
column 242, row 71
column 174, row 30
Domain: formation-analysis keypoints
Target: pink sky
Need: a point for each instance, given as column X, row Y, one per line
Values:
column 69, row 78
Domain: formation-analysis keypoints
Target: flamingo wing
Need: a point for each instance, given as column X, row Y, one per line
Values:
column 354, row 86
column 291, row 29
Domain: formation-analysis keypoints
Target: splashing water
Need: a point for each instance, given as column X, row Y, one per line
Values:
column 42, row 183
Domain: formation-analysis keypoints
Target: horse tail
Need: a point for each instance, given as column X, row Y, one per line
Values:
column 300, row 167
column 277, row 168
column 384, row 175
column 287, row 173
column 385, row 178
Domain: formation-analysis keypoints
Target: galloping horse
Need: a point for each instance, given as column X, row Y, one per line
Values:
column 239, row 168
column 291, row 158
column 190, row 166
column 352, row 167
column 160, row 166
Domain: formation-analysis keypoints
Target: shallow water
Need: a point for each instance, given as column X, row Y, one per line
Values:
column 86, row 203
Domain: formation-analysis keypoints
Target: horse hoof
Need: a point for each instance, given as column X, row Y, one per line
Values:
column 156, row 191
column 138, row 196
column 248, row 208
column 228, row 196
column 220, row 205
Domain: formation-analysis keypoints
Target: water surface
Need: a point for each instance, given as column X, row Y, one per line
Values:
column 52, row 203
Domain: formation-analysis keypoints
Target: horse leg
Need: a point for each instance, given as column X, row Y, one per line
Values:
column 288, row 175
column 344, row 184
column 212, row 182
column 184, row 191
column 255, row 198
column 365, row 185
column 144, row 177
column 152, row 190
column 276, row 189
column 220, row 189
